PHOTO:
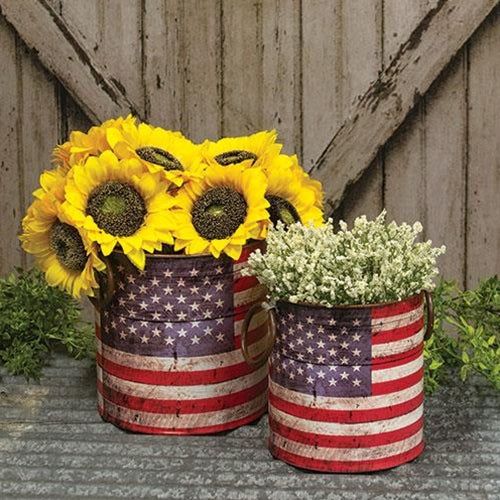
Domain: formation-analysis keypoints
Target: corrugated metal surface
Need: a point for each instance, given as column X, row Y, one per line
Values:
column 53, row 444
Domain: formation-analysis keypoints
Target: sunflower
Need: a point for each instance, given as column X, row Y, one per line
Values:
column 222, row 211
column 63, row 252
column 160, row 150
column 255, row 150
column 291, row 199
column 118, row 202
column 82, row 145
column 51, row 181
column 308, row 181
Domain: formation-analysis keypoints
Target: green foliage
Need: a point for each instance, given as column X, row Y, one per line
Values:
column 35, row 318
column 466, row 336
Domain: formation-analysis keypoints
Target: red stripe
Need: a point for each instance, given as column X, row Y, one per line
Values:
column 195, row 377
column 396, row 359
column 336, row 466
column 186, row 406
column 331, row 441
column 252, row 336
column 396, row 308
column 343, row 416
column 398, row 384
column 245, row 283
column 400, row 333
column 211, row 429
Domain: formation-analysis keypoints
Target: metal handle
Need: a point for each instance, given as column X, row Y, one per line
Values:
column 269, row 338
column 105, row 295
column 430, row 315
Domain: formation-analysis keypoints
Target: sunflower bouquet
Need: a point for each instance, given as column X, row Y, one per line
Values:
column 140, row 189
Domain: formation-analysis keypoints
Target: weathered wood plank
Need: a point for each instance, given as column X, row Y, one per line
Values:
column 404, row 192
column 282, row 62
column 163, row 59
column 61, row 52
column 39, row 133
column 85, row 18
column 10, row 174
column 363, row 47
column 445, row 164
column 201, row 73
column 483, row 176
column 388, row 100
column 322, row 67
column 242, row 77
column 111, row 32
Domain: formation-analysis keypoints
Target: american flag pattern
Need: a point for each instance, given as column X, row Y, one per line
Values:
column 169, row 359
column 346, row 386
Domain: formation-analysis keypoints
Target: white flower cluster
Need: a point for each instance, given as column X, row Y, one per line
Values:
column 371, row 263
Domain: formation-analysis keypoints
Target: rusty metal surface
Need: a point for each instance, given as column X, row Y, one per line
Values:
column 53, row 444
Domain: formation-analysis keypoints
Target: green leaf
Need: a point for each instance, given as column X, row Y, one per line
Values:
column 34, row 319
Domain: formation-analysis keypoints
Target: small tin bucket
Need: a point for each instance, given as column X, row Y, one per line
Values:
column 168, row 357
column 346, row 383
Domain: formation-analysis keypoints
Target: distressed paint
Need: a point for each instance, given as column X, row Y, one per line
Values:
column 352, row 401
column 168, row 357
column 297, row 65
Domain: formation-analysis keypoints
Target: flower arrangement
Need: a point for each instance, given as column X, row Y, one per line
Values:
column 143, row 189
column 374, row 262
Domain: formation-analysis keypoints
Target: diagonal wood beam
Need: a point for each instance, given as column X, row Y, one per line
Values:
column 54, row 42
column 383, row 107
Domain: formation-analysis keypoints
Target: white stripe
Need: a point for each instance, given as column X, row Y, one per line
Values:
column 181, row 364
column 397, row 372
column 390, row 348
column 256, row 293
column 239, row 266
column 397, row 321
column 336, row 429
column 346, row 404
column 347, row 454
column 181, row 392
column 182, row 421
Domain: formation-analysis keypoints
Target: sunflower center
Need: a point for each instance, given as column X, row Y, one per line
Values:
column 235, row 156
column 282, row 210
column 159, row 157
column 116, row 208
column 67, row 244
column 218, row 213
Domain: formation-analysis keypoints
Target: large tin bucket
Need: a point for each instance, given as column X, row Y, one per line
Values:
column 346, row 384
column 168, row 357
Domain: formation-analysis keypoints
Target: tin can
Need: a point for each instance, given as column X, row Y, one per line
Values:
column 168, row 357
column 346, row 384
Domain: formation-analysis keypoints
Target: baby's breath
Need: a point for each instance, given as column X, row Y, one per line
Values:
column 371, row 263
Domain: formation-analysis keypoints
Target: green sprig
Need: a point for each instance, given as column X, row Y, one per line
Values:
column 466, row 336
column 34, row 319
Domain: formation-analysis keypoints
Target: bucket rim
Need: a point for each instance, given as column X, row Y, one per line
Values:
column 351, row 306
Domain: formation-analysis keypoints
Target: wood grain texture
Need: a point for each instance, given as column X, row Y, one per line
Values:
column 201, row 70
column 363, row 56
column 282, row 62
column 10, row 147
column 483, row 176
column 229, row 67
column 387, row 102
column 242, row 72
column 163, row 62
column 60, row 51
column 404, row 158
column 444, row 159
column 323, row 110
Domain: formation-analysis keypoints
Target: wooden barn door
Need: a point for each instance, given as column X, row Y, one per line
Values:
column 391, row 103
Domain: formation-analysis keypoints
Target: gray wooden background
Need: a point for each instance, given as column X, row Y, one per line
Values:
column 230, row 67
